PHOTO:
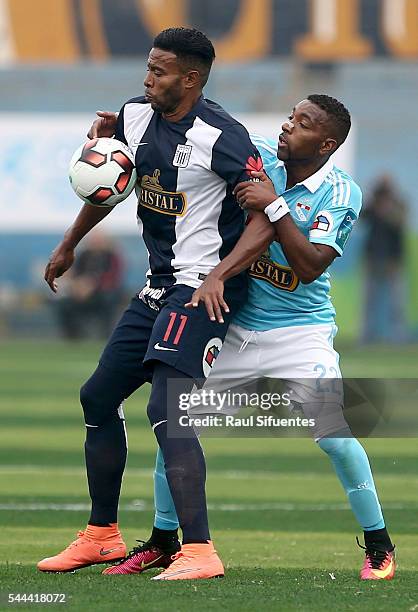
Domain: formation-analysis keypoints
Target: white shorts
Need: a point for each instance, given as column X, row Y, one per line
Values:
column 302, row 357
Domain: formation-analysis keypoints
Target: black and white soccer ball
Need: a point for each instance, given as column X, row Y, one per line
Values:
column 102, row 172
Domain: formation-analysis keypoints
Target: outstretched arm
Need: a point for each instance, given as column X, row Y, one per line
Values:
column 62, row 258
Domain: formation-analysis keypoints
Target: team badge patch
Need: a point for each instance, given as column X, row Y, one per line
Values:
column 301, row 209
column 323, row 224
column 182, row 156
column 210, row 353
column 345, row 228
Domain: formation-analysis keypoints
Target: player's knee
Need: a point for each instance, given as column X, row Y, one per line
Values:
column 155, row 412
column 87, row 401
column 337, row 446
column 157, row 404
column 95, row 405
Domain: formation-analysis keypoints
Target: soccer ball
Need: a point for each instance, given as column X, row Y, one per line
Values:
column 102, row 172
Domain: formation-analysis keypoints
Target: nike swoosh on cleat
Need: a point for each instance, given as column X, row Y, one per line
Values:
column 385, row 572
column 163, row 348
column 104, row 552
column 144, row 565
column 183, row 571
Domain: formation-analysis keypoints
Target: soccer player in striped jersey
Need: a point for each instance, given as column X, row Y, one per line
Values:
column 286, row 328
column 189, row 154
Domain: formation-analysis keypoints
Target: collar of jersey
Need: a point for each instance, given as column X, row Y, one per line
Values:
column 313, row 182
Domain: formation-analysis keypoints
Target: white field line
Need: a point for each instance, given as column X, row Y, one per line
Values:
column 145, row 472
column 42, row 470
column 142, row 506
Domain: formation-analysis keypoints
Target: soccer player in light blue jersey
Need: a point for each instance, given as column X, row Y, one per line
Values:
column 286, row 328
column 289, row 318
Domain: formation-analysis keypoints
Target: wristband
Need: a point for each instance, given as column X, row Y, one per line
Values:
column 277, row 209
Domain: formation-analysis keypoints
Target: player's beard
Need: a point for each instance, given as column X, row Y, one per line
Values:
column 290, row 158
column 283, row 153
column 169, row 102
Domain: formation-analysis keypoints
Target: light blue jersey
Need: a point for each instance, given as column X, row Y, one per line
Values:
column 324, row 207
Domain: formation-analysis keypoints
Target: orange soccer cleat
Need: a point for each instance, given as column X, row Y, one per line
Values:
column 378, row 564
column 194, row 561
column 94, row 545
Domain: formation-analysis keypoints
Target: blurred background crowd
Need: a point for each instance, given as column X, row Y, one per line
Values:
column 61, row 60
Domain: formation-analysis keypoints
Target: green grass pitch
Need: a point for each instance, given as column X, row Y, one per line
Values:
column 278, row 516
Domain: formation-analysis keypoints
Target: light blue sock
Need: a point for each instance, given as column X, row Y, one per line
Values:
column 353, row 469
column 165, row 512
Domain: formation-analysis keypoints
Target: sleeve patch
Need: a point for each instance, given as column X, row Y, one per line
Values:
column 345, row 228
column 253, row 165
column 322, row 225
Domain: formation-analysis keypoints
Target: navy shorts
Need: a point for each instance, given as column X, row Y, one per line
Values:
column 157, row 327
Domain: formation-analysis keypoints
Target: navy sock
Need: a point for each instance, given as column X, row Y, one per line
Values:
column 105, row 451
column 106, row 445
column 379, row 539
column 183, row 457
column 164, row 538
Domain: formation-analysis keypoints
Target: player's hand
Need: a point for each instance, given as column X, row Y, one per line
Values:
column 211, row 292
column 263, row 178
column 60, row 261
column 256, row 196
column 104, row 127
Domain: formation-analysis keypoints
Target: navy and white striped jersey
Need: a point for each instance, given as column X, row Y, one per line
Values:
column 186, row 173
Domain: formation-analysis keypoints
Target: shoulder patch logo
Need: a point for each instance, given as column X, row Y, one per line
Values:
column 322, row 225
column 182, row 156
column 345, row 228
column 253, row 165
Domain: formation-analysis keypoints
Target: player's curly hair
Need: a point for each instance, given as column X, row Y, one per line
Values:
column 193, row 48
column 336, row 111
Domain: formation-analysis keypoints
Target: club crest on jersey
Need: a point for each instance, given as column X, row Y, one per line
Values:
column 301, row 208
column 210, row 353
column 182, row 156
column 323, row 224
column 153, row 196
column 281, row 277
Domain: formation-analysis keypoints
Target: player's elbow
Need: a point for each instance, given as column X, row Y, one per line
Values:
column 306, row 279
column 311, row 267
column 308, row 274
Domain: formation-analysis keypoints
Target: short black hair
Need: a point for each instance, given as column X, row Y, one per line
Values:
column 337, row 113
column 192, row 47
